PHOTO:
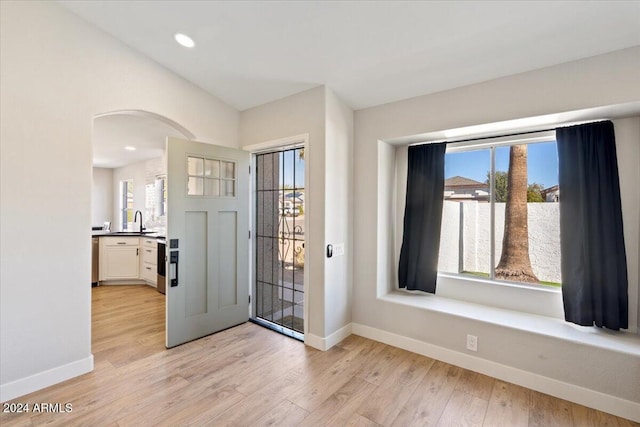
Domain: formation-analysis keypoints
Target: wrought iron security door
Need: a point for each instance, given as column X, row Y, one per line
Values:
column 279, row 285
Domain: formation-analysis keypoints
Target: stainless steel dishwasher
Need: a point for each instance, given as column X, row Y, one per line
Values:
column 95, row 260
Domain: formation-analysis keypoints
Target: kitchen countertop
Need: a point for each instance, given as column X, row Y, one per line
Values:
column 102, row 233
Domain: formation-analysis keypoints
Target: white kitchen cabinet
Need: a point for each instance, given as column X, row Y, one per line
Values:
column 119, row 258
column 149, row 260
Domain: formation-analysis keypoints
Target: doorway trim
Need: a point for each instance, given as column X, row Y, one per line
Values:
column 148, row 114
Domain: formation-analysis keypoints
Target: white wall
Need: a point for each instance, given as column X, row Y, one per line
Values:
column 338, row 212
column 57, row 71
column 303, row 113
column 628, row 151
column 102, row 196
column 594, row 82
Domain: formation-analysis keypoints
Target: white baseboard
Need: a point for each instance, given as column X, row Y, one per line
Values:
column 44, row 379
column 327, row 342
column 573, row 393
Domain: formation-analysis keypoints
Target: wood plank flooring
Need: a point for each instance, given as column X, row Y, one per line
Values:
column 251, row 376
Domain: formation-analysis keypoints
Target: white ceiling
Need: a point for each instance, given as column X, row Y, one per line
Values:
column 370, row 52
column 111, row 133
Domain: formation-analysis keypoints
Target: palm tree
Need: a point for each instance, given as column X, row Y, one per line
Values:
column 514, row 262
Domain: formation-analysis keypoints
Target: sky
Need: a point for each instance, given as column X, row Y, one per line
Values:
column 291, row 160
column 542, row 165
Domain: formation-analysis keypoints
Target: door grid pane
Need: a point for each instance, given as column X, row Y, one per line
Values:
column 279, row 286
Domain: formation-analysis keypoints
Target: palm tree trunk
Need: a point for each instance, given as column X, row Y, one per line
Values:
column 514, row 262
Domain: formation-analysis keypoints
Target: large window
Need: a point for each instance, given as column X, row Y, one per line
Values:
column 500, row 217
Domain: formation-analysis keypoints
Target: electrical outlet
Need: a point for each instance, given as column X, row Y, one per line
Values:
column 472, row 342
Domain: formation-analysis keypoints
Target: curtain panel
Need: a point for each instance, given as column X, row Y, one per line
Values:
column 418, row 267
column 593, row 258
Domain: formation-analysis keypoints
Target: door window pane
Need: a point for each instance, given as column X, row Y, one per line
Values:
column 228, row 170
column 203, row 176
column 229, row 188
column 211, row 187
column 212, row 168
column 195, row 186
column 195, row 166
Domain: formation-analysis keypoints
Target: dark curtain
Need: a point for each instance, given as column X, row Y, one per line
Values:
column 418, row 267
column 594, row 263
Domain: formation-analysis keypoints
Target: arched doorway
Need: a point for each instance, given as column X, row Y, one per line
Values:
column 128, row 321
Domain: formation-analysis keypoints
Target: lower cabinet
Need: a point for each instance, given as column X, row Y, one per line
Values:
column 128, row 258
column 149, row 261
column 119, row 258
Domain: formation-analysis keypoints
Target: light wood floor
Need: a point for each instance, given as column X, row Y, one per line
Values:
column 251, row 376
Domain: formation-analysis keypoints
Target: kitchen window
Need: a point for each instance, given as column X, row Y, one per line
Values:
column 156, row 203
column 126, row 203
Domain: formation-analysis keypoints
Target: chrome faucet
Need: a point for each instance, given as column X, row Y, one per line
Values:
column 136, row 217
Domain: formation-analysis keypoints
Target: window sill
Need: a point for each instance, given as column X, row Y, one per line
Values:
column 622, row 342
column 471, row 278
column 536, row 300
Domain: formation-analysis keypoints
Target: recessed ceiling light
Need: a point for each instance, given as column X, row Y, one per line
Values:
column 184, row 40
column 130, row 148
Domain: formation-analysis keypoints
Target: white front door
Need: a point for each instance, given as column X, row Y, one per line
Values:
column 207, row 239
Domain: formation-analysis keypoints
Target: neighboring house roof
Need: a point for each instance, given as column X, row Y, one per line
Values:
column 551, row 194
column 297, row 194
column 461, row 181
column 461, row 188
